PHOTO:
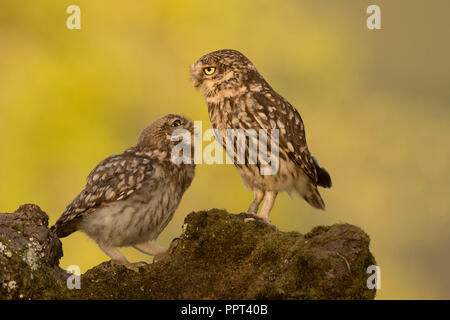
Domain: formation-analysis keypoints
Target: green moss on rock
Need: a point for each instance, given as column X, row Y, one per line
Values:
column 218, row 256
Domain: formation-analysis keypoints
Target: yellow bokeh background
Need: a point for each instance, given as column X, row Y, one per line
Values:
column 375, row 106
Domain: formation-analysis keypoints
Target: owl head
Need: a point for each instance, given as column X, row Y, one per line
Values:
column 166, row 132
column 223, row 70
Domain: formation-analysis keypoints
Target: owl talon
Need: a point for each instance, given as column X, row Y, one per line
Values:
column 247, row 216
column 270, row 225
column 250, row 219
column 173, row 244
column 130, row 266
column 259, row 221
column 140, row 264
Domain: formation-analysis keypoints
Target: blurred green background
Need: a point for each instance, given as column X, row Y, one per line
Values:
column 375, row 106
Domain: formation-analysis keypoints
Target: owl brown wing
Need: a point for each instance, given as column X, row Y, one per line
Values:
column 272, row 111
column 115, row 178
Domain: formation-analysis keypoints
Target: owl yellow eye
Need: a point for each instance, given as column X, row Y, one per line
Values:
column 176, row 123
column 209, row 70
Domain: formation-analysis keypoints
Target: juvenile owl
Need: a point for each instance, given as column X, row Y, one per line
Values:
column 130, row 198
column 239, row 99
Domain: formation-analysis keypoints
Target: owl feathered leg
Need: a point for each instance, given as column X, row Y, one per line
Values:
column 268, row 205
column 258, row 196
column 150, row 248
column 117, row 258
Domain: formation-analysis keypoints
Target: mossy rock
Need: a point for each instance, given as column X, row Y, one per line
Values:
column 218, row 256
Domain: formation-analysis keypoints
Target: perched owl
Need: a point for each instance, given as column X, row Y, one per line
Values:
column 238, row 97
column 130, row 198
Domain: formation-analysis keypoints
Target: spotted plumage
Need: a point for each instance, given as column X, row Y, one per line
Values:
column 130, row 198
column 238, row 97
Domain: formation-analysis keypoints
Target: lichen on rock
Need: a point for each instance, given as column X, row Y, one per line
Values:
column 29, row 263
column 217, row 256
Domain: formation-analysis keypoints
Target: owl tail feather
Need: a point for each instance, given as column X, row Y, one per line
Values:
column 323, row 177
column 63, row 230
column 315, row 200
column 311, row 195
